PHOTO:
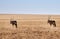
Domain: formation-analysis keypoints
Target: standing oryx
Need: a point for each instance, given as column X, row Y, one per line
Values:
column 14, row 23
column 51, row 22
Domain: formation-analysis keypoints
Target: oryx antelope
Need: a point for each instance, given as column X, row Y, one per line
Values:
column 52, row 22
column 14, row 23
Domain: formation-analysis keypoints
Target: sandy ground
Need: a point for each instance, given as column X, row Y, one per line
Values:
column 29, row 27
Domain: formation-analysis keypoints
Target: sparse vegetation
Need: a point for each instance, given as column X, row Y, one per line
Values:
column 35, row 27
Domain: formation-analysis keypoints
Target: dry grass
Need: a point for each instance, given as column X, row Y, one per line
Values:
column 29, row 27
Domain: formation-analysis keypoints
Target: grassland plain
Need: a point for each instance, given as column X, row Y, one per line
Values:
column 29, row 27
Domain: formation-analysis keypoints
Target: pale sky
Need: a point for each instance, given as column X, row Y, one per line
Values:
column 29, row 6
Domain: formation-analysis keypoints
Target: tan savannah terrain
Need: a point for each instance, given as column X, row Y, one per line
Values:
column 29, row 27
